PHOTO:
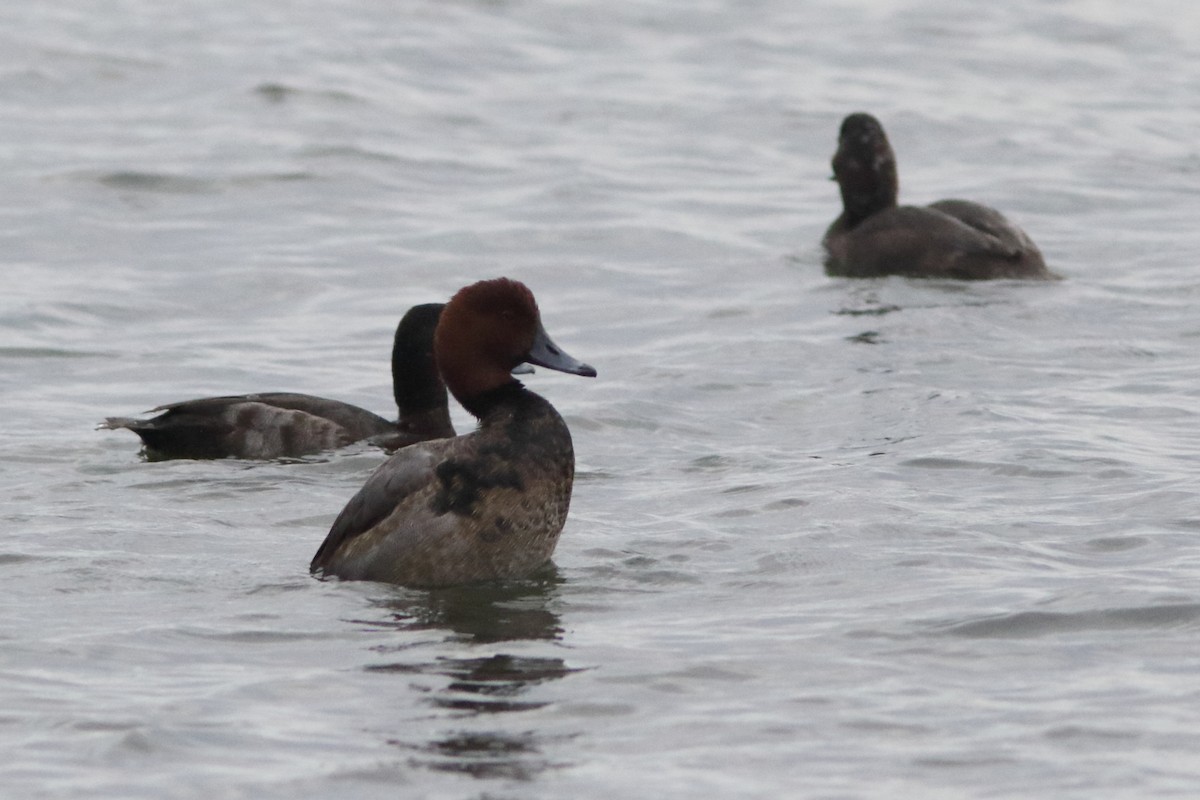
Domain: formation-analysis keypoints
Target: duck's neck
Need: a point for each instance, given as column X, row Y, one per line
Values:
column 417, row 387
column 485, row 404
column 868, row 182
column 859, row 204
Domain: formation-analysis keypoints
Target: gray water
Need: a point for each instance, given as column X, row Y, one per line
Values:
column 829, row 539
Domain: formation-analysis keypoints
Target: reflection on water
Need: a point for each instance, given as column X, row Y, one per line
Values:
column 488, row 755
column 484, row 685
column 493, row 684
column 483, row 613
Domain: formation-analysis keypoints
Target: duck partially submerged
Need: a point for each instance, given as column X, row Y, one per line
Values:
column 485, row 505
column 948, row 239
column 287, row 425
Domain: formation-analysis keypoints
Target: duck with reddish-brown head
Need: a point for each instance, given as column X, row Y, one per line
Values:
column 486, row 505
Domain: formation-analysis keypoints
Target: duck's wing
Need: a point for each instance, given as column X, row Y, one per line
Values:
column 358, row 422
column 1002, row 234
column 397, row 481
column 1000, row 249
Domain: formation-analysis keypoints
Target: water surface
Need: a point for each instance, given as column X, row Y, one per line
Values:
column 829, row 539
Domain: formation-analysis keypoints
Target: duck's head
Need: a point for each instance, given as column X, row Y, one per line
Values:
column 489, row 328
column 865, row 168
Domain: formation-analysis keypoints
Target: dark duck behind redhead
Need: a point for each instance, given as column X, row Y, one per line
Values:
column 289, row 425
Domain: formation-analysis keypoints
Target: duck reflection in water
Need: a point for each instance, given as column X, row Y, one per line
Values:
column 485, row 687
column 481, row 613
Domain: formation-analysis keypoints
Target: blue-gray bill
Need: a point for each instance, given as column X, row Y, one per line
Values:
column 545, row 353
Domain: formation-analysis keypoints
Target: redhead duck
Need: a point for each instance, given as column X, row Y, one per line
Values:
column 947, row 239
column 286, row 425
column 486, row 505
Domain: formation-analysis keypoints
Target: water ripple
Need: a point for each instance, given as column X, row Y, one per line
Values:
column 1032, row 624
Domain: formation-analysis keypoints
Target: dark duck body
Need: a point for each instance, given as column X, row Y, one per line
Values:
column 486, row 505
column 874, row 236
column 287, row 425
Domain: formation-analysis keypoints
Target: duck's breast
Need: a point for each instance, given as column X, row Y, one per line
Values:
column 487, row 505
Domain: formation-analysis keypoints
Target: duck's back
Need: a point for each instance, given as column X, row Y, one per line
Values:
column 413, row 428
column 267, row 425
column 487, row 505
column 949, row 239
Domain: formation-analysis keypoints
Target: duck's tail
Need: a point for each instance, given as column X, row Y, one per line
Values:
column 116, row 423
